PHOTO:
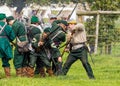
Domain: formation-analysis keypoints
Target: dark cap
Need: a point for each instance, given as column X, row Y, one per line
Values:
column 9, row 18
column 64, row 22
column 47, row 30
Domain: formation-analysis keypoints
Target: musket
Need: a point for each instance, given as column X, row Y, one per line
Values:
column 72, row 11
column 65, row 48
column 61, row 10
column 66, row 44
column 48, row 36
column 87, row 48
column 91, row 58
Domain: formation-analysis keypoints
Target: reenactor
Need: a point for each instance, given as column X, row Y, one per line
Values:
column 20, row 58
column 49, row 50
column 59, row 36
column 71, row 24
column 6, row 36
column 52, row 19
column 33, row 30
column 34, row 27
column 78, row 50
column 42, row 46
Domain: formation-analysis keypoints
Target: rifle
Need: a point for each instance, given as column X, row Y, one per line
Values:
column 61, row 11
column 66, row 44
column 46, row 39
column 43, row 46
column 88, row 50
column 72, row 11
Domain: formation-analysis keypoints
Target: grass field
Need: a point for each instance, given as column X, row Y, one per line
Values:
column 106, row 71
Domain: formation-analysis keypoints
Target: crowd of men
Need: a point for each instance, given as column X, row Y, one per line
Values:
column 43, row 56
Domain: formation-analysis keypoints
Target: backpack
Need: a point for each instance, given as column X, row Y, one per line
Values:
column 23, row 46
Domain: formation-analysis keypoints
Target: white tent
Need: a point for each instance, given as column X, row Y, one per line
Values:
column 6, row 10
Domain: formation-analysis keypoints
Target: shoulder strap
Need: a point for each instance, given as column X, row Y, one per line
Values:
column 2, row 28
column 39, row 27
column 56, row 34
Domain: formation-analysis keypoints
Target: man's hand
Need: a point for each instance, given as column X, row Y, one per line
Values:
column 40, row 43
column 67, row 50
column 59, row 59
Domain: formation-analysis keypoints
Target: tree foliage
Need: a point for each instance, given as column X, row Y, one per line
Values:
column 107, row 30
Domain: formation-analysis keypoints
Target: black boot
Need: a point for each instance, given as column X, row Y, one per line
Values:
column 59, row 69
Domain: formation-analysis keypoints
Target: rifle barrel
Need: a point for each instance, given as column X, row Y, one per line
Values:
column 72, row 11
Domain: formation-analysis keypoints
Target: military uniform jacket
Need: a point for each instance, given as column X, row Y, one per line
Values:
column 6, row 36
column 60, row 37
column 19, row 29
column 33, row 30
column 49, row 46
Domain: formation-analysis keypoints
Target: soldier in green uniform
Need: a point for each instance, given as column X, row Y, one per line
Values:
column 58, row 37
column 33, row 30
column 52, row 25
column 20, row 59
column 6, row 36
column 78, row 50
column 52, row 21
column 51, row 50
column 42, row 48
column 34, row 55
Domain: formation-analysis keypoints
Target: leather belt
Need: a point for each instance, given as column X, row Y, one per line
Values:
column 77, row 45
column 3, row 36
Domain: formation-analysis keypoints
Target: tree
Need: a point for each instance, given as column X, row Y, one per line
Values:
column 107, row 22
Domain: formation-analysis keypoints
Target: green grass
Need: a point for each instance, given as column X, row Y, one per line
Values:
column 106, row 71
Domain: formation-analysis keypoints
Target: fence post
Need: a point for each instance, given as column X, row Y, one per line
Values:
column 97, row 32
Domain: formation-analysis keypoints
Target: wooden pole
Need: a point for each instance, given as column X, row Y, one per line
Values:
column 97, row 32
column 79, row 13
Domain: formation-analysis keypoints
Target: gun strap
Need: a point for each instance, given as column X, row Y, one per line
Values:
column 2, row 28
column 56, row 34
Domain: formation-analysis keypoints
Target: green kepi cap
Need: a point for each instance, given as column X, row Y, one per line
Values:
column 34, row 19
column 2, row 16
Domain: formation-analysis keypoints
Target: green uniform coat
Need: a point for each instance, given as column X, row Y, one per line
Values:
column 49, row 45
column 5, row 47
column 61, row 37
column 57, row 39
column 6, row 36
column 20, row 32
